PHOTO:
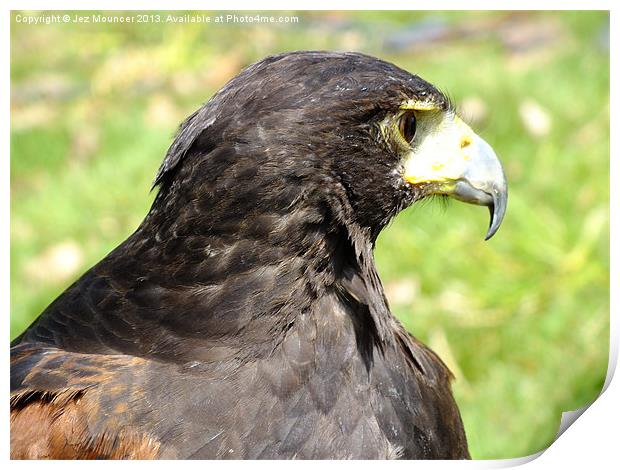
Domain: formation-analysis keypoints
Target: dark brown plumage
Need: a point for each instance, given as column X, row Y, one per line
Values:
column 245, row 317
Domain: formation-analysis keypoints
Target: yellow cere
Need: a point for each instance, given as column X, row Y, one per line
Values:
column 443, row 152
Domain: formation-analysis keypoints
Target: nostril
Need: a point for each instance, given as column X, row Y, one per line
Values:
column 465, row 141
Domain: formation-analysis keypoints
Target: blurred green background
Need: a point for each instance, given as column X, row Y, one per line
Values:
column 522, row 320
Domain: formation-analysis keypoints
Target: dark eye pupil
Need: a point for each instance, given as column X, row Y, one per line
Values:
column 408, row 126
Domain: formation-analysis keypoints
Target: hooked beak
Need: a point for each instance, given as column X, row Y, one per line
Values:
column 457, row 162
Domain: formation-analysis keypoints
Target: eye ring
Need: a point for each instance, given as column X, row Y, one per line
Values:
column 407, row 126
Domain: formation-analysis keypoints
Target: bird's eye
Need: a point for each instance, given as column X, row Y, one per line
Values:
column 407, row 126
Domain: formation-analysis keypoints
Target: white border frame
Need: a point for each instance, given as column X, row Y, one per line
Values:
column 591, row 441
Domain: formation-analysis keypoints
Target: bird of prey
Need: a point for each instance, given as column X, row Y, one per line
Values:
column 245, row 318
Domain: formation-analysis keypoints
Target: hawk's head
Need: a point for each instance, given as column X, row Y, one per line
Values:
column 332, row 126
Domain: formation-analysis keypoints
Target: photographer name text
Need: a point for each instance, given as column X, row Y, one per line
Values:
column 97, row 18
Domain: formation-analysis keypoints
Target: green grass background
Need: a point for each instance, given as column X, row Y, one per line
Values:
column 522, row 320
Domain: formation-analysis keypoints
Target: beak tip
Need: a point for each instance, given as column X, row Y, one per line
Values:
column 497, row 209
column 489, row 235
